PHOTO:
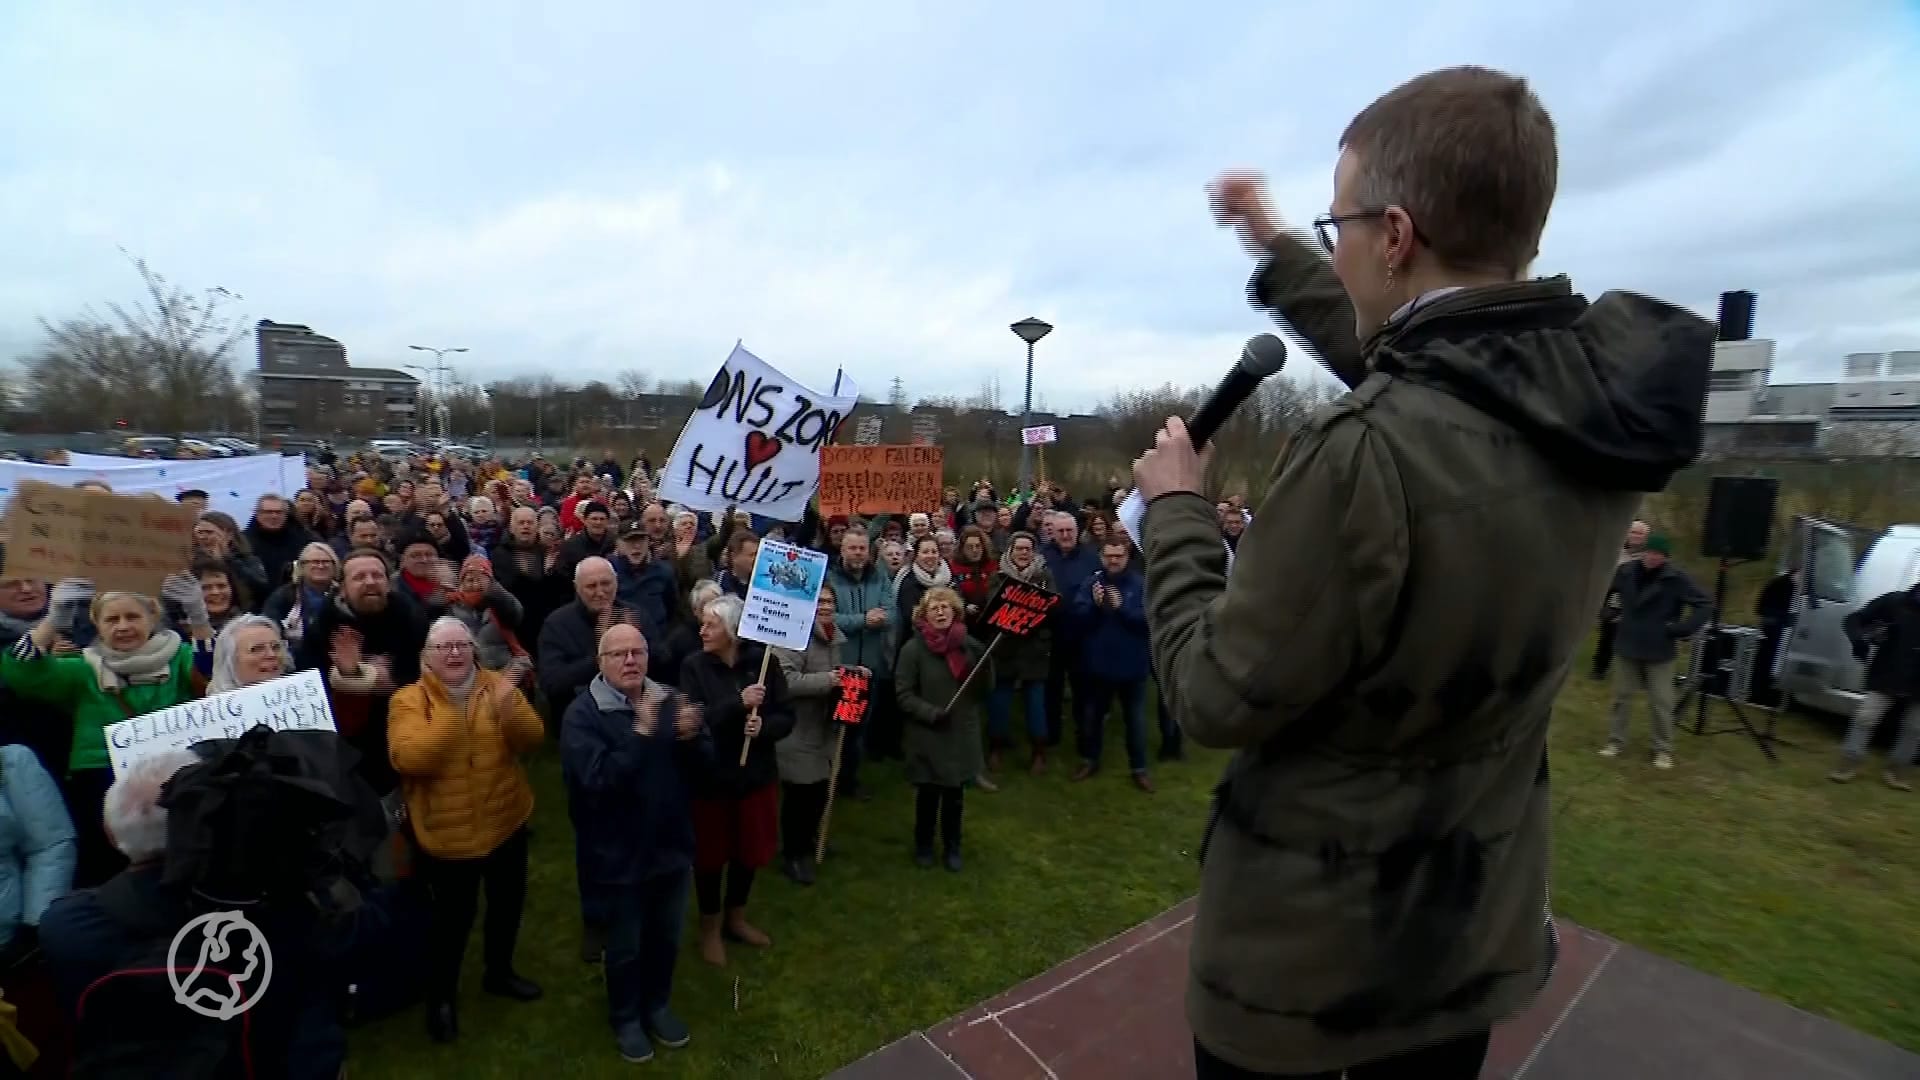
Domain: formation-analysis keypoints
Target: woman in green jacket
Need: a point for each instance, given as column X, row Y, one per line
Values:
column 942, row 742
column 136, row 667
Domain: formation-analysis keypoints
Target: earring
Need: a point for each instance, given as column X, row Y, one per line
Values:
column 1389, row 275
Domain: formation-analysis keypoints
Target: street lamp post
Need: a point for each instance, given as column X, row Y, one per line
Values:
column 439, row 369
column 1030, row 330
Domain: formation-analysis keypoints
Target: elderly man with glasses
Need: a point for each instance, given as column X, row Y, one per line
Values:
column 630, row 749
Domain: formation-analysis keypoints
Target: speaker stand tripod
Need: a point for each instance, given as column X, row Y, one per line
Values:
column 1766, row 740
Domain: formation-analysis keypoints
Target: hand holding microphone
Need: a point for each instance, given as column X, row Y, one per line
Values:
column 1181, row 452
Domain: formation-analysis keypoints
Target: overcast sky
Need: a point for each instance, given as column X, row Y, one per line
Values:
column 588, row 188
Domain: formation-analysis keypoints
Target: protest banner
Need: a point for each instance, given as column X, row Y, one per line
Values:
column 783, row 594
column 1018, row 608
column 233, row 485
column 294, row 703
column 129, row 542
column 1039, row 435
column 848, row 711
column 851, row 707
column 869, row 480
column 753, row 442
column 1014, row 609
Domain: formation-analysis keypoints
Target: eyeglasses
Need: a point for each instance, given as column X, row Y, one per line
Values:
column 1327, row 226
column 624, row 654
column 448, row 648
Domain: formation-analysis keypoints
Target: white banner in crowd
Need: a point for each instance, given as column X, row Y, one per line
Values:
column 293, row 468
column 754, row 441
column 292, row 703
column 232, row 485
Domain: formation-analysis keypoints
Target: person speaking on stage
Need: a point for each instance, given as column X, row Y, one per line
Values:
column 1408, row 600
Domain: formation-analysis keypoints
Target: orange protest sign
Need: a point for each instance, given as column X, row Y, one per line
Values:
column 129, row 542
column 880, row 479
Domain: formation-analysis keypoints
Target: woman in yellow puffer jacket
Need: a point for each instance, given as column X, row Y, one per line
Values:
column 455, row 738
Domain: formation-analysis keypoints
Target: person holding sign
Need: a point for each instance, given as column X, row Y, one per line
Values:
column 1021, row 662
column 248, row 652
column 935, row 679
column 735, row 807
column 136, row 666
column 806, row 756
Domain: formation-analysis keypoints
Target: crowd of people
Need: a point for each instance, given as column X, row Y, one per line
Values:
column 462, row 614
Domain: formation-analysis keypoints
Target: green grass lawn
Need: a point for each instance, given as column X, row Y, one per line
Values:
column 1766, row 875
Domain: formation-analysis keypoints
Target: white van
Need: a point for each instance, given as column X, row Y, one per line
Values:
column 1820, row 671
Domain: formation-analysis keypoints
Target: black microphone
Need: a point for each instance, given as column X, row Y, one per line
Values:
column 1263, row 356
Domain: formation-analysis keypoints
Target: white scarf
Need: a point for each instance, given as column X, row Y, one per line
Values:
column 940, row 579
column 149, row 665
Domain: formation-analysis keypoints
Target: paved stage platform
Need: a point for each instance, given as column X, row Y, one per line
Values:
column 1611, row 1012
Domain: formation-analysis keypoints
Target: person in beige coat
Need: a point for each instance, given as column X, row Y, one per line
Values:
column 806, row 756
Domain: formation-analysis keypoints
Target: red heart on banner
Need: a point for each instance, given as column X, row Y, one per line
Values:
column 760, row 449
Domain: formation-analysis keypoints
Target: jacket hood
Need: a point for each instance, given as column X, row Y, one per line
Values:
column 1614, row 391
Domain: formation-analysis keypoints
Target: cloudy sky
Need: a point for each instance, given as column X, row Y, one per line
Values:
column 588, row 188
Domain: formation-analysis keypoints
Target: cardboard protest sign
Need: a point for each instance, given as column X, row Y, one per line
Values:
column 869, row 480
column 782, row 595
column 1017, row 608
column 129, row 542
column 852, row 706
column 293, row 703
column 754, row 441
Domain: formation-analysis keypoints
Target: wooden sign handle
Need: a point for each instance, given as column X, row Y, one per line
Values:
column 982, row 662
column 746, row 744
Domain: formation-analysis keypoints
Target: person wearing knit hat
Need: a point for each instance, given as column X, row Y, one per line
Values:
column 492, row 614
column 1659, row 606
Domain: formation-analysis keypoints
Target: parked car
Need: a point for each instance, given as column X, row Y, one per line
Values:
column 151, row 446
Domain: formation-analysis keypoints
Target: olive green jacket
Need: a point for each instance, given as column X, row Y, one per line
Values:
column 947, row 754
column 1402, row 612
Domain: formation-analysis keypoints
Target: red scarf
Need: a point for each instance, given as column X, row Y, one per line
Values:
column 950, row 643
column 419, row 586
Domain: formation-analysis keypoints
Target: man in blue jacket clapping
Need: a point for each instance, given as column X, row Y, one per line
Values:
column 1111, row 609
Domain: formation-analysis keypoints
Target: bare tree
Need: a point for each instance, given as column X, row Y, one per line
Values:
column 190, row 337
column 687, row 388
column 633, row 383
column 161, row 365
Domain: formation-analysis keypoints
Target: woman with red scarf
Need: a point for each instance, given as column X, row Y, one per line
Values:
column 974, row 566
column 943, row 739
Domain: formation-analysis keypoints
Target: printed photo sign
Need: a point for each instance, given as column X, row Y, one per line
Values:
column 754, row 441
column 294, row 703
column 869, row 480
column 1017, row 608
column 783, row 595
column 1039, row 435
column 129, row 542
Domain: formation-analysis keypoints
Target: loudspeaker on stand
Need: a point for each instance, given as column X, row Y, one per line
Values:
column 1739, row 521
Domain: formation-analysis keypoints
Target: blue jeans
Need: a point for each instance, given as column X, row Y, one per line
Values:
column 1000, row 711
column 643, row 941
column 1093, row 719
